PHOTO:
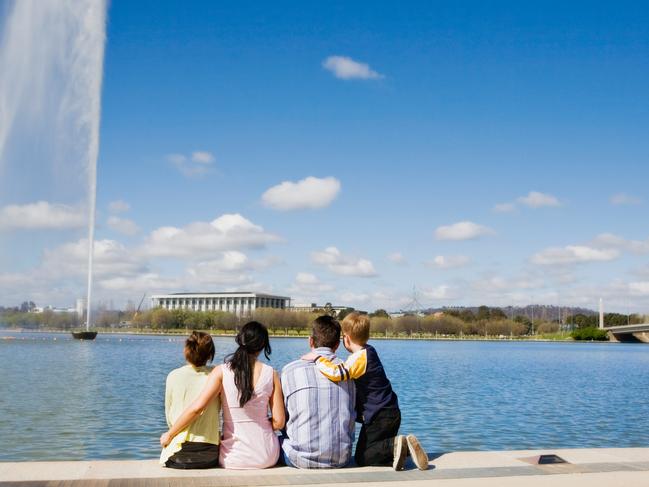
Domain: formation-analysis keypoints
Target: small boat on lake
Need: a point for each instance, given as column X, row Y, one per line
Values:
column 84, row 335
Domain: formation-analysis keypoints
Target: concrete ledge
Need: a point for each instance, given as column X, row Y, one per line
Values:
column 592, row 467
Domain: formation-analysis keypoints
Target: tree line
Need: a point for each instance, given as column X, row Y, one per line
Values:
column 486, row 322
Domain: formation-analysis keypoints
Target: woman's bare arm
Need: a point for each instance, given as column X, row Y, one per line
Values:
column 277, row 404
column 210, row 391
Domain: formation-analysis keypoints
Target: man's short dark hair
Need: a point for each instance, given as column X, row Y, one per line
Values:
column 325, row 331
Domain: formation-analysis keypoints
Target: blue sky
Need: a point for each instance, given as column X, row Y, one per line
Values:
column 426, row 115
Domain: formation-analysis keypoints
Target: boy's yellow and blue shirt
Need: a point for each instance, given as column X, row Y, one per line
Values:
column 373, row 388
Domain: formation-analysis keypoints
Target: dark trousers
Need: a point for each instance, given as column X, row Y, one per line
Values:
column 194, row 454
column 376, row 440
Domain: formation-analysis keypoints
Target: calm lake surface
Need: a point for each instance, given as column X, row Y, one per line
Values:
column 62, row 399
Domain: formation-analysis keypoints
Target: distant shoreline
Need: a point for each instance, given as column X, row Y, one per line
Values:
column 183, row 333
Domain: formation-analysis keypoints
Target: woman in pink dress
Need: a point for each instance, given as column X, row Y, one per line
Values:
column 249, row 389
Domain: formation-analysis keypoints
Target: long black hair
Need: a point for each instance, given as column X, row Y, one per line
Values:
column 252, row 339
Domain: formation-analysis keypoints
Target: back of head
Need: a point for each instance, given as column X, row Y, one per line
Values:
column 199, row 348
column 325, row 332
column 252, row 339
column 357, row 327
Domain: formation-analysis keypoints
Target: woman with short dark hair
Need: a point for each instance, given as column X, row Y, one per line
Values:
column 195, row 446
column 248, row 389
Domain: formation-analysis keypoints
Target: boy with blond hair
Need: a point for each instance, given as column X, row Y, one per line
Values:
column 377, row 406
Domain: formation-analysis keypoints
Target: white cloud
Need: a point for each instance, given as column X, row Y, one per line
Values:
column 61, row 275
column 41, row 215
column 307, row 284
column 177, row 159
column 620, row 199
column 535, row 199
column 203, row 157
column 465, row 230
column 201, row 239
column 198, row 163
column 228, row 271
column 144, row 282
column 122, row 225
column 639, row 288
column 490, row 284
column 609, row 240
column 642, row 271
column 344, row 67
column 13, row 280
column 230, row 268
column 306, row 279
column 448, row 261
column 343, row 265
column 573, row 254
column 441, row 292
column 504, row 207
column 308, row 193
column 397, row 258
column 354, row 299
column 110, row 258
column 118, row 206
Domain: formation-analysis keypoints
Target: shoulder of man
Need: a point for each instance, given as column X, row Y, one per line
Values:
column 296, row 364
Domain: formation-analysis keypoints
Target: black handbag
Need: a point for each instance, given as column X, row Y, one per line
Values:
column 194, row 455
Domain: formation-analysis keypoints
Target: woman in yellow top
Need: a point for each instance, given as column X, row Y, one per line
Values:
column 196, row 446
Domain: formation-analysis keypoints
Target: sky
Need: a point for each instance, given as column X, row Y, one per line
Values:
column 354, row 152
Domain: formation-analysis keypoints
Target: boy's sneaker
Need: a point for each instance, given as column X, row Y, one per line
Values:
column 400, row 452
column 419, row 456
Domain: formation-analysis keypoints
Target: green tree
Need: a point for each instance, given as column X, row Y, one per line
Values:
column 467, row 315
column 344, row 312
column 483, row 313
column 525, row 322
column 616, row 319
column 443, row 325
column 380, row 324
column 590, row 333
column 497, row 314
column 547, row 327
column 581, row 320
column 380, row 313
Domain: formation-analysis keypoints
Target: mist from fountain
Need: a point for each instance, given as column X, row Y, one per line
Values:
column 51, row 69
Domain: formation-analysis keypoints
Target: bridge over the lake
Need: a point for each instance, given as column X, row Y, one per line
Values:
column 629, row 333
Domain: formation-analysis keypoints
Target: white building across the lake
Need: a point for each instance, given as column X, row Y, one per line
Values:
column 240, row 303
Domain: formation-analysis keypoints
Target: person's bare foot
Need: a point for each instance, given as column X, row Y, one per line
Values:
column 419, row 456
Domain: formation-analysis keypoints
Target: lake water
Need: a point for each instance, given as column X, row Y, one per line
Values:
column 62, row 399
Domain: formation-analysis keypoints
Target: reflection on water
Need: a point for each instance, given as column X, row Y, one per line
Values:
column 65, row 399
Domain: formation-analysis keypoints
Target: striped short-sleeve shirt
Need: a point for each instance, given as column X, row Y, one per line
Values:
column 320, row 415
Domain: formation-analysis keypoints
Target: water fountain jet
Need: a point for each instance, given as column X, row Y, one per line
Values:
column 51, row 68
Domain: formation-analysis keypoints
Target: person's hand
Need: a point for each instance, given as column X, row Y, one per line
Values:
column 310, row 357
column 165, row 439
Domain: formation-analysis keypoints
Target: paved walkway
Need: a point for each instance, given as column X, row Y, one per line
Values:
column 628, row 467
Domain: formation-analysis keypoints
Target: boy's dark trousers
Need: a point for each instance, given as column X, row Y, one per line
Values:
column 376, row 440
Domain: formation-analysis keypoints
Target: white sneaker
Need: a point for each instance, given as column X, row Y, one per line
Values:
column 400, row 452
column 419, row 456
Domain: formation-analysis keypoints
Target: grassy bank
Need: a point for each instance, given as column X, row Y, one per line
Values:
column 282, row 333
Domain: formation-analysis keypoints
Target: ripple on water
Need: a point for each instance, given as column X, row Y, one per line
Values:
column 67, row 399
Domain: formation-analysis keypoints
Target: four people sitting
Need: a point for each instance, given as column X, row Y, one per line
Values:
column 313, row 408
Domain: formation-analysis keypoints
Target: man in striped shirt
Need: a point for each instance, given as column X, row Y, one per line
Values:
column 320, row 413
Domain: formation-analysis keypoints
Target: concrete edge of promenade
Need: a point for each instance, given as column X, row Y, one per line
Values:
column 592, row 467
